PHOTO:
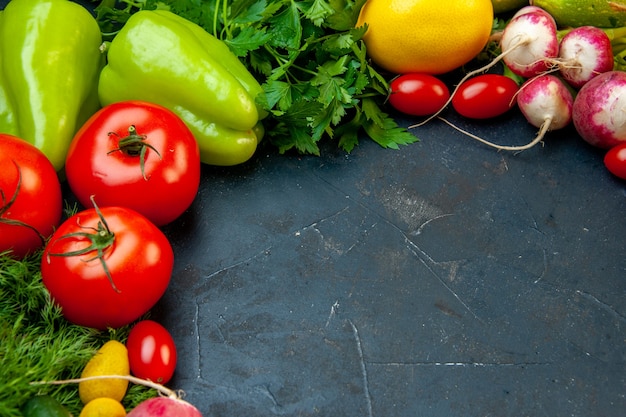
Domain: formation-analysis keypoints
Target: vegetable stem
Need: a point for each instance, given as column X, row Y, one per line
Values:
column 162, row 389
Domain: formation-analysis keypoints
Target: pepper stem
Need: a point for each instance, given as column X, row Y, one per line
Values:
column 134, row 145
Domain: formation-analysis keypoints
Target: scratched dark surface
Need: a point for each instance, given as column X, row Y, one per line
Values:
column 443, row 279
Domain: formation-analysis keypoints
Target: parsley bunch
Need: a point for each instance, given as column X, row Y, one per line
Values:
column 309, row 58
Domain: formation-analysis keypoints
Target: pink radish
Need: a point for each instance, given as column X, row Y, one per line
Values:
column 164, row 407
column 584, row 52
column 529, row 42
column 599, row 112
column 546, row 103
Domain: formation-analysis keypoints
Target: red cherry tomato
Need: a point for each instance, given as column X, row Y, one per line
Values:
column 137, row 155
column 151, row 352
column 615, row 160
column 485, row 96
column 30, row 197
column 107, row 267
column 418, row 94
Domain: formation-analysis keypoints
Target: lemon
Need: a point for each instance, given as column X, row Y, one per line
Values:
column 103, row 407
column 501, row 6
column 110, row 359
column 427, row 36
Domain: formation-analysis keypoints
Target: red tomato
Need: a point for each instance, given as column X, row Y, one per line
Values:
column 106, row 271
column 30, row 197
column 151, row 352
column 485, row 96
column 105, row 159
column 418, row 94
column 615, row 160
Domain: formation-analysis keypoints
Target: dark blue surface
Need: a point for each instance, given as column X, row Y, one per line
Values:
column 443, row 279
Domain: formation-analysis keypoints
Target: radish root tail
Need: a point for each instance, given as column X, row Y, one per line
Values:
column 545, row 127
column 163, row 390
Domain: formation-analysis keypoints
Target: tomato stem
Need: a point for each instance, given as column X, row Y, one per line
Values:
column 6, row 205
column 101, row 240
column 134, row 145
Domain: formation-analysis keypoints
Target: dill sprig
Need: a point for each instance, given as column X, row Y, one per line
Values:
column 38, row 344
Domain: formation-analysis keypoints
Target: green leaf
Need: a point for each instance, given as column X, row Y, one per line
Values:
column 361, row 82
column 243, row 12
column 303, row 141
column 248, row 39
column 348, row 133
column 338, row 44
column 383, row 129
column 372, row 112
column 278, row 93
column 321, row 124
column 301, row 112
column 346, row 14
column 286, row 28
column 259, row 63
column 318, row 12
column 331, row 85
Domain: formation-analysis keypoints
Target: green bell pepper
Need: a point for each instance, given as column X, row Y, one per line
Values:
column 49, row 66
column 165, row 59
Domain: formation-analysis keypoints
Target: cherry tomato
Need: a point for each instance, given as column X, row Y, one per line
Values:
column 138, row 155
column 151, row 352
column 485, row 96
column 615, row 160
column 418, row 94
column 106, row 267
column 30, row 197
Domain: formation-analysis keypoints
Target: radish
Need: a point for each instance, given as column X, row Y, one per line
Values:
column 164, row 407
column 546, row 103
column 584, row 52
column 529, row 43
column 599, row 112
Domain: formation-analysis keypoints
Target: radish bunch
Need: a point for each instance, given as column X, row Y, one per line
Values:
column 568, row 80
column 581, row 55
column 554, row 66
column 568, row 76
column 554, row 70
column 531, row 47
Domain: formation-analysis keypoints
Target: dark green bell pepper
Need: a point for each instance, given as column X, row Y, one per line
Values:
column 49, row 66
column 163, row 58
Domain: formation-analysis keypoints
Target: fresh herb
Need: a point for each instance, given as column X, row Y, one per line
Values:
column 38, row 344
column 310, row 59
